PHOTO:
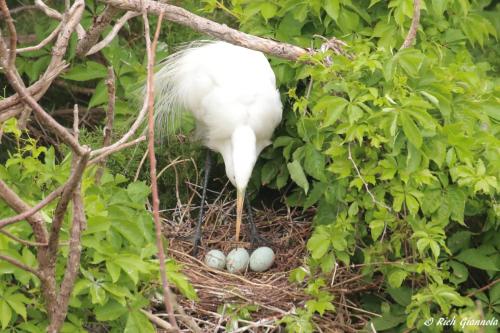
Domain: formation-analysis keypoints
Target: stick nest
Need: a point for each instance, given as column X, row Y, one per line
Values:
column 271, row 291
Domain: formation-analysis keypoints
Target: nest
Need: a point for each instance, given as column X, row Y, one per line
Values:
column 271, row 292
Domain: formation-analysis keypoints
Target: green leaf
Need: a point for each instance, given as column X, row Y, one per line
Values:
column 5, row 313
column 318, row 244
column 479, row 259
column 298, row 176
column 100, row 95
column 17, row 303
column 314, row 163
column 85, row 72
column 333, row 106
column 268, row 10
column 112, row 310
column 396, row 278
column 456, row 200
column 137, row 322
column 410, row 129
column 332, row 8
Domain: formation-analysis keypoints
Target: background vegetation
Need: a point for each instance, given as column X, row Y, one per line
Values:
column 397, row 150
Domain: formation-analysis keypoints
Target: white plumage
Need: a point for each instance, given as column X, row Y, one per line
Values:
column 231, row 92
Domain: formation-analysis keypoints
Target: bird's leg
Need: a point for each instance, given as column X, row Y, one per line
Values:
column 197, row 234
column 255, row 238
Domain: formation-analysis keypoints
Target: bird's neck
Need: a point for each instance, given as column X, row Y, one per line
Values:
column 244, row 155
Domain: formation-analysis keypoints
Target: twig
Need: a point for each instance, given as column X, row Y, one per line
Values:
column 151, row 49
column 117, row 148
column 20, row 240
column 488, row 286
column 158, row 321
column 20, row 265
column 31, row 211
column 112, row 34
column 412, row 33
column 110, row 116
column 52, row 13
column 375, row 201
column 139, row 167
column 16, row 203
column 43, row 43
column 69, row 22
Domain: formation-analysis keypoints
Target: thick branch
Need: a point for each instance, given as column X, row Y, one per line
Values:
column 69, row 188
column 216, row 30
column 73, row 262
column 92, row 35
column 412, row 33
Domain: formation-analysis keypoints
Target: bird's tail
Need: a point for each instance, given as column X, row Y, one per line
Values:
column 170, row 90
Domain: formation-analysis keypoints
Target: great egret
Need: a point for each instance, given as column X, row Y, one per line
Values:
column 231, row 92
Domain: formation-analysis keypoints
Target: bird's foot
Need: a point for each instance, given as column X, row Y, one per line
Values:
column 256, row 240
column 196, row 245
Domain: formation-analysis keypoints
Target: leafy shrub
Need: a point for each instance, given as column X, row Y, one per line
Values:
column 118, row 268
column 397, row 149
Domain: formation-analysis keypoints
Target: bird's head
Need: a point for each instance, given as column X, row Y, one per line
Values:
column 239, row 169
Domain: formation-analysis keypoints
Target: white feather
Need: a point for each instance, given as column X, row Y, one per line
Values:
column 225, row 88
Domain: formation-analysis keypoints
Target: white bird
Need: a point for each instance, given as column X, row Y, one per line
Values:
column 231, row 93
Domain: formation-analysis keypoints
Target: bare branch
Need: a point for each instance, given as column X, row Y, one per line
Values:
column 151, row 49
column 16, row 203
column 43, row 43
column 109, row 37
column 56, row 65
column 71, row 185
column 159, row 322
column 412, row 33
column 117, row 148
column 52, row 13
column 216, row 30
column 31, row 211
column 73, row 261
column 20, row 240
column 92, row 35
column 20, row 265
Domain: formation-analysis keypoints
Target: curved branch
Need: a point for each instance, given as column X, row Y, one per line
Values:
column 109, row 37
column 44, row 42
column 216, row 30
column 412, row 33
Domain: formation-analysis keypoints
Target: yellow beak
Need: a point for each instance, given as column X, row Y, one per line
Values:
column 240, row 197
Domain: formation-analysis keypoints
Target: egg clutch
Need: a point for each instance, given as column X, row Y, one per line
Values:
column 238, row 260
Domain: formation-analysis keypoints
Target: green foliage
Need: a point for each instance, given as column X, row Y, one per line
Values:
column 118, row 268
column 397, row 149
